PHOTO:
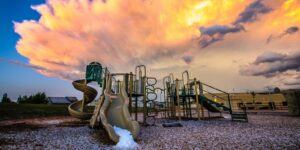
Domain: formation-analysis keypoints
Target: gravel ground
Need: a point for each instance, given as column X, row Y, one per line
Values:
column 264, row 131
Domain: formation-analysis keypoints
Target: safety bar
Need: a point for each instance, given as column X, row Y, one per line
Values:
column 215, row 95
column 187, row 77
column 171, row 77
column 212, row 87
column 164, row 81
column 140, row 71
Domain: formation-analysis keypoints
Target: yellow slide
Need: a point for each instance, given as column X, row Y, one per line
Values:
column 112, row 109
column 76, row 109
column 114, row 112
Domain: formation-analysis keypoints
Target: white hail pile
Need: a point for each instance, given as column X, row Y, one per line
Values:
column 126, row 140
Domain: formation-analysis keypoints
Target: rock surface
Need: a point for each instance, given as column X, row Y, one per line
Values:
column 263, row 131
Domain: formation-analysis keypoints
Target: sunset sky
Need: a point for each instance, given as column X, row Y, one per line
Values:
column 239, row 45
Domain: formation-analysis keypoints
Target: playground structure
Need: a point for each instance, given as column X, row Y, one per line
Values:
column 126, row 98
column 114, row 106
column 187, row 98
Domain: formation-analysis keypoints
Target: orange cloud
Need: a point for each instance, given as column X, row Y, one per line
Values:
column 123, row 33
column 117, row 33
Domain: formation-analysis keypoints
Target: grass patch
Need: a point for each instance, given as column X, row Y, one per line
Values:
column 18, row 111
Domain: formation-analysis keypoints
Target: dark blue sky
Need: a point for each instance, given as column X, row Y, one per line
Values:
column 229, row 61
column 17, row 80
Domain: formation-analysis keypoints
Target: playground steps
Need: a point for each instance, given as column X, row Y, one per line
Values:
column 239, row 116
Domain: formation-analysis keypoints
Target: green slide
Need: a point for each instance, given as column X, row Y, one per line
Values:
column 211, row 105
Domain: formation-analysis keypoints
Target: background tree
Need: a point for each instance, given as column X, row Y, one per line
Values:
column 5, row 99
column 276, row 90
column 19, row 99
column 39, row 98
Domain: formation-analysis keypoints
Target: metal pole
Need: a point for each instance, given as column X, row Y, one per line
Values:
column 197, row 99
column 166, row 98
column 136, row 108
column 229, row 104
column 144, row 100
column 201, row 93
column 177, row 97
column 130, row 92
column 83, row 100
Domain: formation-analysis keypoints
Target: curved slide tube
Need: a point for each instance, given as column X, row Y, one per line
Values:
column 114, row 112
column 76, row 109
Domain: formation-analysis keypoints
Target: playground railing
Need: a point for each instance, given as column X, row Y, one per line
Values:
column 215, row 94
